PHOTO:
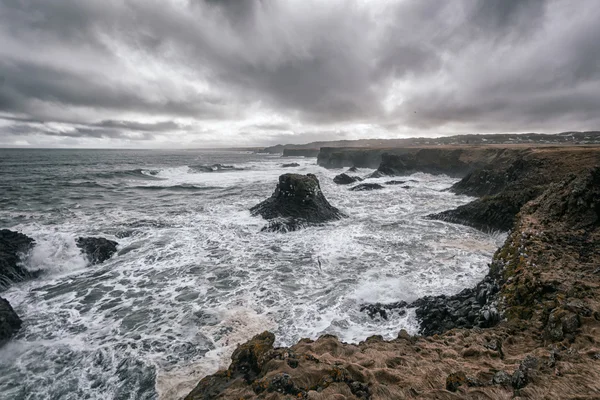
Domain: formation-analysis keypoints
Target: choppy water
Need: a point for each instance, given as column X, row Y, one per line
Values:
column 194, row 275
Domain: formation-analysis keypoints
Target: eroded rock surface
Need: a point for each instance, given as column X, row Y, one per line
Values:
column 345, row 179
column 13, row 246
column 10, row 322
column 296, row 202
column 366, row 186
column 543, row 282
column 96, row 249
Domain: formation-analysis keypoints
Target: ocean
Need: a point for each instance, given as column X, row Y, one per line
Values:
column 195, row 276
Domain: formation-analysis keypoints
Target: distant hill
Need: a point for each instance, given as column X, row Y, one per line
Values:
column 588, row 137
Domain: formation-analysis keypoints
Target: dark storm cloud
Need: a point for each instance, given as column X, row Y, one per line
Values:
column 491, row 65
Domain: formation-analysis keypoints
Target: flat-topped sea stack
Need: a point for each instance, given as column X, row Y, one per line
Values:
column 296, row 202
column 300, row 152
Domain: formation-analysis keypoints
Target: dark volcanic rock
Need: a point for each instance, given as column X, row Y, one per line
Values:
column 433, row 161
column 12, row 246
column 395, row 182
column 296, row 202
column 344, row 179
column 9, row 321
column 352, row 169
column 490, row 212
column 473, row 307
column 366, row 186
column 290, row 165
column 97, row 249
column 246, row 363
column 214, row 168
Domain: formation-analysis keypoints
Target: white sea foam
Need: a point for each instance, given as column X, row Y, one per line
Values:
column 195, row 276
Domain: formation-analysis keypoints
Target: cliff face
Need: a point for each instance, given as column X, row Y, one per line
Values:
column 300, row 152
column 547, row 344
column 332, row 157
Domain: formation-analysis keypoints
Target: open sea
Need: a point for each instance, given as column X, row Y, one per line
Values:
column 194, row 275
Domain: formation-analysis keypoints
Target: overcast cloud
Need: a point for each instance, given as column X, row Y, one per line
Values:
column 205, row 73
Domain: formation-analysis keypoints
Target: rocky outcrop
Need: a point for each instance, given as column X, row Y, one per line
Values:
column 344, row 179
column 366, row 186
column 538, row 307
column 496, row 213
column 96, row 249
column 13, row 245
column 300, row 152
column 511, row 180
column 296, row 202
column 290, row 165
column 332, row 157
column 10, row 322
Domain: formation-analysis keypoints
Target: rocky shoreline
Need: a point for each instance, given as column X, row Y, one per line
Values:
column 529, row 329
column 14, row 249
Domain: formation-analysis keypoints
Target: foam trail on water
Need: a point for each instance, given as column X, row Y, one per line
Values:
column 195, row 276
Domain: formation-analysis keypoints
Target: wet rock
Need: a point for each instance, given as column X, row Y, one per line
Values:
column 10, row 322
column 384, row 310
column 290, row 165
column 96, row 249
column 491, row 212
column 214, row 168
column 395, row 182
column 296, row 202
column 366, row 186
column 352, row 169
column 13, row 245
column 467, row 309
column 246, row 363
column 248, row 358
column 344, row 179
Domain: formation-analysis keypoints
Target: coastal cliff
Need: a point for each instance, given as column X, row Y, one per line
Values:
column 542, row 282
column 300, row 152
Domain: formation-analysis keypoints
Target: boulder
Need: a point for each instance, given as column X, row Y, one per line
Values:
column 366, row 186
column 344, row 179
column 290, row 165
column 96, row 249
column 9, row 321
column 296, row 202
column 12, row 246
column 352, row 169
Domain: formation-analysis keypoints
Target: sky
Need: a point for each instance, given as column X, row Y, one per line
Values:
column 237, row 73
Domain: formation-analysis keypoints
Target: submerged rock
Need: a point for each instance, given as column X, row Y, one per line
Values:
column 12, row 246
column 344, row 179
column 366, row 186
column 214, row 168
column 9, row 321
column 97, row 249
column 296, row 202
column 290, row 165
